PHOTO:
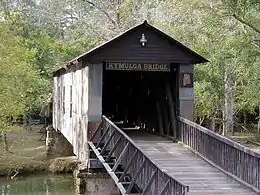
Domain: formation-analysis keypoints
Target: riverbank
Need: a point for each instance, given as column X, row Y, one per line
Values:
column 27, row 155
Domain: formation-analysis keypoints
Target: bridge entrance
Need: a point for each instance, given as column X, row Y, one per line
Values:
column 142, row 78
column 115, row 80
column 142, row 99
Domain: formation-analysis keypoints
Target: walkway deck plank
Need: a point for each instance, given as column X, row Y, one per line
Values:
column 181, row 163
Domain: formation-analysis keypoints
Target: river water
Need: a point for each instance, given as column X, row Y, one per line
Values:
column 39, row 185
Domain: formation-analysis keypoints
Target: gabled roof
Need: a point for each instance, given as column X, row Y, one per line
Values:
column 197, row 57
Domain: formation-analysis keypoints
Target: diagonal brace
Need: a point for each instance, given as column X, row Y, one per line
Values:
column 95, row 133
column 165, row 188
column 108, row 141
column 146, row 188
column 103, row 136
column 128, row 166
column 123, row 153
column 113, row 149
column 135, row 177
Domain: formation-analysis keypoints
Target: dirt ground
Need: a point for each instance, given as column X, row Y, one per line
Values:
column 249, row 140
column 27, row 154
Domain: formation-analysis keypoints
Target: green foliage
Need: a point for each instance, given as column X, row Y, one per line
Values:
column 41, row 35
column 21, row 83
column 214, row 32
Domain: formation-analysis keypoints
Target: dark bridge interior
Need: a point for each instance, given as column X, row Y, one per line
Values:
column 142, row 99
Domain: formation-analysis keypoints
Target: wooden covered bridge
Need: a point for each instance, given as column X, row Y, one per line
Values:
column 129, row 104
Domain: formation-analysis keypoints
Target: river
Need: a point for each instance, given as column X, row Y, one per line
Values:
column 39, row 185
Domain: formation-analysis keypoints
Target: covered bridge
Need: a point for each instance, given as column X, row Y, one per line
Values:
column 143, row 80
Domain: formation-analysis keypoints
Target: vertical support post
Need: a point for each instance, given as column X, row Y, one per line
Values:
column 172, row 110
column 159, row 112
column 166, row 118
column 156, row 185
column 94, row 97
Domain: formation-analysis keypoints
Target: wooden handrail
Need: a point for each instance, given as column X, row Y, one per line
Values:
column 232, row 157
column 220, row 137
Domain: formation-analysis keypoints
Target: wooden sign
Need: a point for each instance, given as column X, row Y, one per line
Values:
column 138, row 66
column 186, row 80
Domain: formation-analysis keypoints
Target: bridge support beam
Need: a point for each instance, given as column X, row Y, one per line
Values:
column 89, row 182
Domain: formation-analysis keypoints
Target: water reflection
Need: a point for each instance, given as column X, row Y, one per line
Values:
column 39, row 185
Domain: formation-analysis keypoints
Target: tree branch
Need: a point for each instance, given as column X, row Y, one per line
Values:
column 246, row 23
column 5, row 7
column 104, row 11
column 98, row 34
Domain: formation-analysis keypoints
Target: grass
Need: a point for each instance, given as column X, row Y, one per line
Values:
column 26, row 152
column 28, row 155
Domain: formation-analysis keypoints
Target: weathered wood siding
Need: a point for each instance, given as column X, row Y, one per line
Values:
column 73, row 124
column 61, row 102
column 95, row 97
column 84, row 113
column 127, row 48
column 66, row 82
column 186, row 95
column 55, row 102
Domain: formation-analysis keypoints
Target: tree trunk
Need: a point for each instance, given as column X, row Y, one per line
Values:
column 30, row 123
column 258, row 125
column 245, row 119
column 213, row 118
column 24, row 122
column 6, row 7
column 4, row 140
column 228, row 123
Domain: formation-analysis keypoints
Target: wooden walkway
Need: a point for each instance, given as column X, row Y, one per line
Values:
column 181, row 163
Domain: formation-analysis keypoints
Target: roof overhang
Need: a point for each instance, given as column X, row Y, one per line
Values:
column 74, row 61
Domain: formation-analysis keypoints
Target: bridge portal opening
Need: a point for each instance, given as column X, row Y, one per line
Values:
column 146, row 100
